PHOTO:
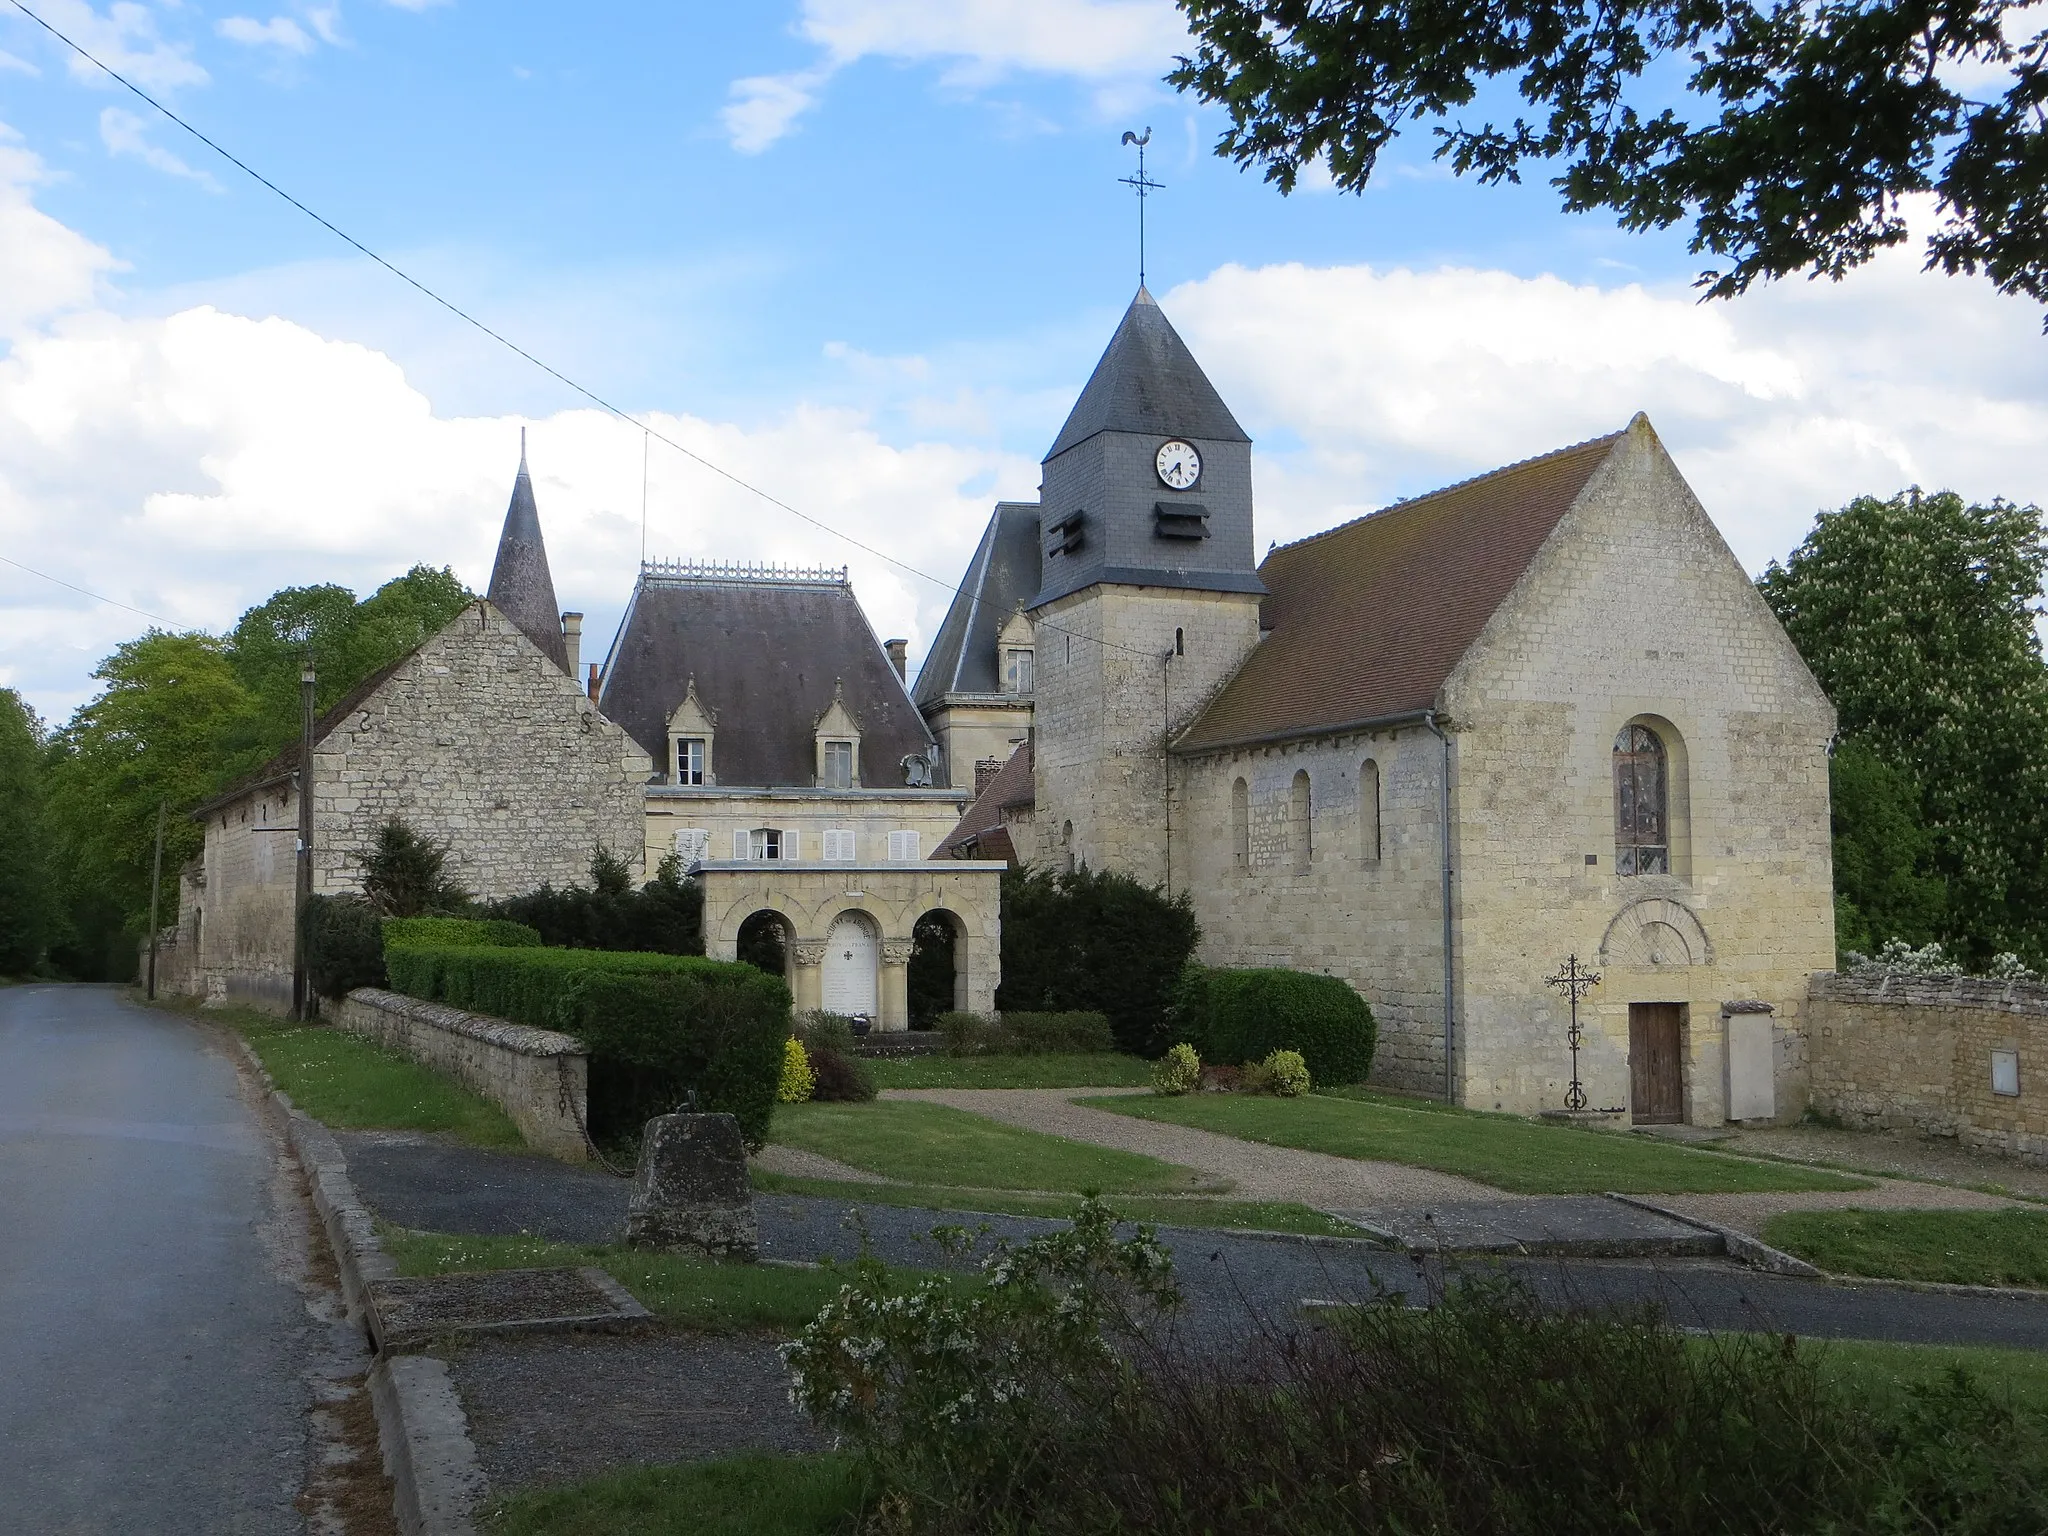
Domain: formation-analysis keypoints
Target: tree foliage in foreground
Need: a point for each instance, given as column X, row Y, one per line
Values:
column 1799, row 131
column 1917, row 615
column 27, row 902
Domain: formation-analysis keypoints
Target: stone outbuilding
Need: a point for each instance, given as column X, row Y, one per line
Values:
column 479, row 738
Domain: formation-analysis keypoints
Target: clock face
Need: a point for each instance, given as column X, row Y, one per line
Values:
column 1178, row 464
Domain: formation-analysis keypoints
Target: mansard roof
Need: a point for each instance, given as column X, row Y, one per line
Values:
column 1002, row 574
column 767, row 647
column 1367, row 620
column 1148, row 382
column 521, row 587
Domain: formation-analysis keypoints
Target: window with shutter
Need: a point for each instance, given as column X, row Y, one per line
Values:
column 769, row 843
column 693, row 845
column 742, row 845
column 838, row 846
column 903, row 847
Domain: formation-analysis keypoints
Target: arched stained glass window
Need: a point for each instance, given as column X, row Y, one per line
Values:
column 1641, row 821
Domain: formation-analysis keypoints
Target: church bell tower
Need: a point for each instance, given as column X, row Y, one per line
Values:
column 1148, row 598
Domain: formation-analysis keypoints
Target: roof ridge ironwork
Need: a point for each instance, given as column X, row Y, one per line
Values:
column 729, row 571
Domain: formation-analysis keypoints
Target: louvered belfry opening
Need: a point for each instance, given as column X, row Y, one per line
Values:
column 1641, row 821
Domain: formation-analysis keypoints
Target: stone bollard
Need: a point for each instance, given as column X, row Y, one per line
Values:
column 690, row 1190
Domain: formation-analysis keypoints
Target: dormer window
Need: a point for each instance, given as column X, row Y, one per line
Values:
column 838, row 765
column 689, row 760
column 1017, row 669
column 691, row 727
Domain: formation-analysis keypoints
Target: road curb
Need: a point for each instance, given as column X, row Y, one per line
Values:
column 1741, row 1246
column 437, row 1481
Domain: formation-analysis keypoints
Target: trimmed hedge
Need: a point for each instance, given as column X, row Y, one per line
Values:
column 1235, row 1016
column 460, row 932
column 1045, row 1034
column 656, row 1026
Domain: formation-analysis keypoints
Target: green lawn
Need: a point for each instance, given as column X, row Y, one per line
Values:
column 1502, row 1150
column 1106, row 1069
column 2008, row 1247
column 1258, row 1215
column 751, row 1495
column 347, row 1081
column 932, row 1143
column 694, row 1293
column 1879, row 1371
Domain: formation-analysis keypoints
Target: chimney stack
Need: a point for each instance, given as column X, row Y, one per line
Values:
column 899, row 653
column 593, row 682
column 572, row 638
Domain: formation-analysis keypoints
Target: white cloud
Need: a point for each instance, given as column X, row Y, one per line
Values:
column 45, row 268
column 124, row 39
column 124, row 133
column 278, row 32
column 20, row 66
column 1119, row 46
column 1384, row 383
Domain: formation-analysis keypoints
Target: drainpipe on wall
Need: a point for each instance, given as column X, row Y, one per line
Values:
column 1444, row 826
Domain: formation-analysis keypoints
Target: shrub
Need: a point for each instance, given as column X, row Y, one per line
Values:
column 665, row 916
column 1217, row 1079
column 797, row 1077
column 822, row 1031
column 841, row 1079
column 1044, row 1401
column 403, row 875
column 970, row 1034
column 1286, row 1074
column 1099, row 941
column 344, row 945
column 459, row 932
column 1179, row 1071
column 1246, row 1015
column 1043, row 1034
column 658, row 1027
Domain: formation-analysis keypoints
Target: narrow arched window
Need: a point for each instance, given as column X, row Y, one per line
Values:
column 1067, row 845
column 1642, row 841
column 1299, row 821
column 1369, row 811
column 1240, row 825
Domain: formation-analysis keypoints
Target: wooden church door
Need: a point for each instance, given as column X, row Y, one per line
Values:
column 1657, row 1086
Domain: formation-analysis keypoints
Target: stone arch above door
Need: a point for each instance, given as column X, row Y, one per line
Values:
column 1656, row 931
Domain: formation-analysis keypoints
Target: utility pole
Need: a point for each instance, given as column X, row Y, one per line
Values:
column 156, row 885
column 301, row 998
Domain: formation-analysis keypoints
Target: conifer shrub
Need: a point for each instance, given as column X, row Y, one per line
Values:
column 404, row 874
column 344, row 945
column 797, row 1078
column 1246, row 1015
column 1096, row 941
column 657, row 1027
column 664, row 916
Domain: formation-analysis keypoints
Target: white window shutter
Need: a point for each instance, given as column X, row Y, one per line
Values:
column 792, row 845
column 903, row 847
column 740, row 845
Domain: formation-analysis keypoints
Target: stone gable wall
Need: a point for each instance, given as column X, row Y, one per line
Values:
column 481, row 741
column 1636, row 610
column 1893, row 1052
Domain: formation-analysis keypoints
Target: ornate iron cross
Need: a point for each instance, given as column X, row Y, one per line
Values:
column 1575, row 981
column 1141, row 184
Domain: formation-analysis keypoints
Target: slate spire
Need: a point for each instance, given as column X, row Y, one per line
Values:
column 1148, row 382
column 521, row 587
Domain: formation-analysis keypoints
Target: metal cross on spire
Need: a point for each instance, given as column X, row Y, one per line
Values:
column 1141, row 184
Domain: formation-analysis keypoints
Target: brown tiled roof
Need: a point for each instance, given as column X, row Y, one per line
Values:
column 1009, row 790
column 1367, row 620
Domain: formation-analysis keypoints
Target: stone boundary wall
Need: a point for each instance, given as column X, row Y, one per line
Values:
column 1914, row 1052
column 539, row 1078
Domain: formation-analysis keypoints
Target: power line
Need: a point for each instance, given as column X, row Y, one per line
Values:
column 512, row 346
column 82, row 592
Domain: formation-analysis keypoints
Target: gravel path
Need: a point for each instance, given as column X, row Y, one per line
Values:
column 1255, row 1171
column 799, row 1164
column 555, row 1409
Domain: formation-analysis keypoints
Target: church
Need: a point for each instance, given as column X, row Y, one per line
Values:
column 1436, row 751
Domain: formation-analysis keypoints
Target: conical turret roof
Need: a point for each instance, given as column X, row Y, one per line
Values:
column 521, row 587
column 1148, row 382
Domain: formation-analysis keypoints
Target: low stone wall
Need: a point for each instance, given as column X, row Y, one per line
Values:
column 539, row 1078
column 1918, row 1052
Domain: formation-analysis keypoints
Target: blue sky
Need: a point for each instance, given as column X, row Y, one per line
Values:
column 862, row 251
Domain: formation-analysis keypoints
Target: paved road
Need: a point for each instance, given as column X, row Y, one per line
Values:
column 162, row 1345
column 1229, row 1279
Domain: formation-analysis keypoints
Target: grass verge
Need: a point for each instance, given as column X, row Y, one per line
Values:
column 1258, row 1215
column 2008, row 1247
column 693, row 1293
column 1502, row 1150
column 915, row 1142
column 1877, row 1373
column 1106, row 1069
column 752, row 1495
column 347, row 1081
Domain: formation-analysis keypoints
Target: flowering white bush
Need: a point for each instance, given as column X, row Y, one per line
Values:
column 1902, row 959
